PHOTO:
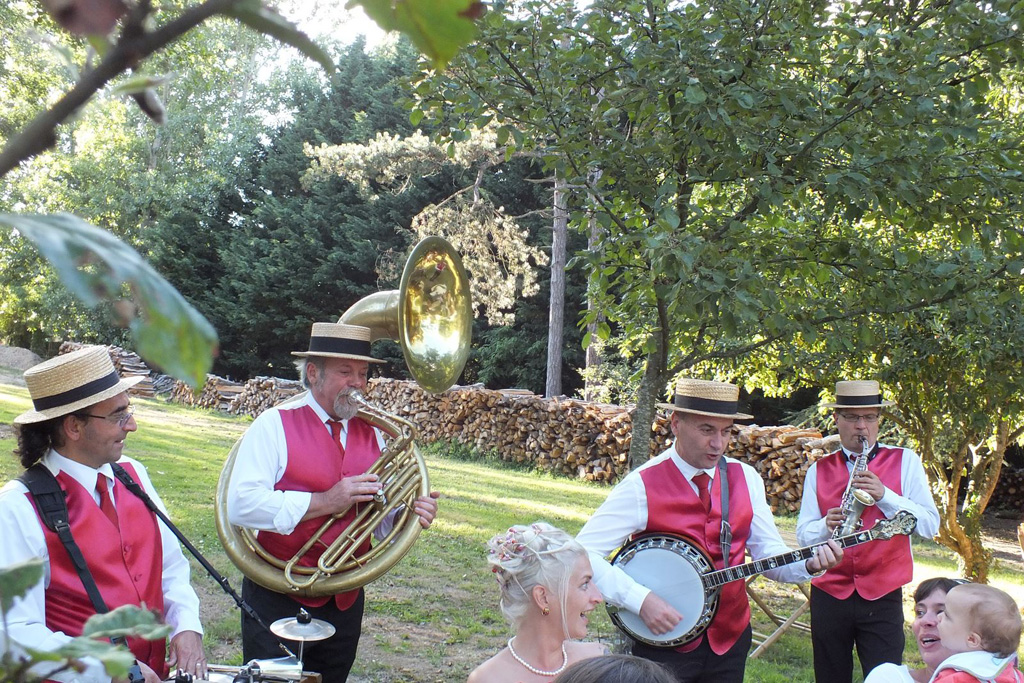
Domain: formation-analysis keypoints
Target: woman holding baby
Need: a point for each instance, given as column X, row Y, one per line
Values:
column 965, row 633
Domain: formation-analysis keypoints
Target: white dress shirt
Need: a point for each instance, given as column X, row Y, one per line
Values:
column 260, row 463
column 23, row 539
column 916, row 499
column 624, row 513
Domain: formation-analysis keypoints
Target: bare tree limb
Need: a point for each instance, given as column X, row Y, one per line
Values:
column 133, row 46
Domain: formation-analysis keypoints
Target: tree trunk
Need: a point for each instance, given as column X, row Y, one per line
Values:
column 652, row 386
column 556, row 315
column 593, row 358
column 960, row 527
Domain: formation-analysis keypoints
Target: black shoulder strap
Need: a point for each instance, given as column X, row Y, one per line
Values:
column 48, row 498
column 136, row 490
column 725, row 536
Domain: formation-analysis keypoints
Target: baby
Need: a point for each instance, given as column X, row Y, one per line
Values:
column 981, row 625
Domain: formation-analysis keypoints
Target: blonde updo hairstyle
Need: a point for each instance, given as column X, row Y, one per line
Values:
column 529, row 556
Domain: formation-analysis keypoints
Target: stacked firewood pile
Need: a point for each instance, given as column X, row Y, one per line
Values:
column 586, row 440
column 782, row 456
column 261, row 393
column 182, row 393
column 1009, row 493
column 163, row 384
column 217, row 394
column 128, row 364
column 580, row 439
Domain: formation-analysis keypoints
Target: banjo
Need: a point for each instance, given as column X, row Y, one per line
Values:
column 682, row 574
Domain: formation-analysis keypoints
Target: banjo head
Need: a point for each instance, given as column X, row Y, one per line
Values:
column 672, row 567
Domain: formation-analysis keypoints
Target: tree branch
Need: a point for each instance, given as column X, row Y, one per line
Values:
column 40, row 133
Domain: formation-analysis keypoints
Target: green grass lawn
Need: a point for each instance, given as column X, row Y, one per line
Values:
column 435, row 615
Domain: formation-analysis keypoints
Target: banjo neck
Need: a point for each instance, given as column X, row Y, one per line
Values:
column 718, row 578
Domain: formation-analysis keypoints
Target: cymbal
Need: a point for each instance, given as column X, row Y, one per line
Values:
column 302, row 627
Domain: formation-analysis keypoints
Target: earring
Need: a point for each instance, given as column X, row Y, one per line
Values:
column 545, row 611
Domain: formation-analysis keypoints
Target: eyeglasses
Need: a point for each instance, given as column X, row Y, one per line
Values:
column 853, row 418
column 121, row 417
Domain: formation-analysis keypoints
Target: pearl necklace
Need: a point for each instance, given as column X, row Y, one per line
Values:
column 539, row 672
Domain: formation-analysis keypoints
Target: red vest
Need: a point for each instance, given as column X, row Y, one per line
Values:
column 673, row 507
column 872, row 569
column 126, row 563
column 315, row 465
column 1010, row 674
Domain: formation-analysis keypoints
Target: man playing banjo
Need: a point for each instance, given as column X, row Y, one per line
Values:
column 681, row 492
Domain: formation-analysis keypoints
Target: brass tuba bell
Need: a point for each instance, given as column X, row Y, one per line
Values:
column 430, row 315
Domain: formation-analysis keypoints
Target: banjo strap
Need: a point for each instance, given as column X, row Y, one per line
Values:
column 725, row 537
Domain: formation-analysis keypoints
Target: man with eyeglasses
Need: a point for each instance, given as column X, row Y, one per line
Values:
column 76, row 430
column 860, row 602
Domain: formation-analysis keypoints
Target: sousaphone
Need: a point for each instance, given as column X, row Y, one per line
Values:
column 430, row 315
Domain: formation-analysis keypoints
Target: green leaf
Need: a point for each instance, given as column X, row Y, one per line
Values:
column 415, row 116
column 101, row 44
column 438, row 28
column 94, row 265
column 17, row 579
column 695, row 94
column 126, row 620
column 671, row 217
column 137, row 84
column 116, row 659
column 745, row 100
column 255, row 15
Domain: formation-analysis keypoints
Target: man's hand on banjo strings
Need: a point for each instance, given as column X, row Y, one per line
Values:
column 658, row 615
column 825, row 557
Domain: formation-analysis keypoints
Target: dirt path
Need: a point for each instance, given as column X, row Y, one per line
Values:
column 1000, row 536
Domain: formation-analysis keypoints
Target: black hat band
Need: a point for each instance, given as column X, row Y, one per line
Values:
column 77, row 394
column 351, row 347
column 851, row 401
column 705, row 405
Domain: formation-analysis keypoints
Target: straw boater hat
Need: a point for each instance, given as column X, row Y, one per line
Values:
column 337, row 340
column 858, row 394
column 67, row 383
column 715, row 399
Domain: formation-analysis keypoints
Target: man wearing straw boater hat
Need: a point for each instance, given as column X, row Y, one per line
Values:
column 74, row 433
column 297, row 464
column 861, row 602
column 680, row 491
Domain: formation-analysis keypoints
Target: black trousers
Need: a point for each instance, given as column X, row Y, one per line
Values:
column 331, row 658
column 874, row 626
column 702, row 665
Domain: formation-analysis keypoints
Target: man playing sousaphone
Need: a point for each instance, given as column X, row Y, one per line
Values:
column 861, row 602
column 681, row 491
column 298, row 464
